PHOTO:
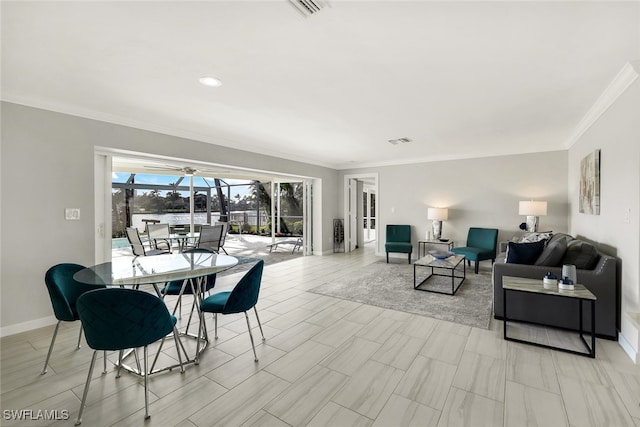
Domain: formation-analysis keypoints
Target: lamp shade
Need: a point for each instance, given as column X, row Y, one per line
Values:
column 438, row 214
column 532, row 208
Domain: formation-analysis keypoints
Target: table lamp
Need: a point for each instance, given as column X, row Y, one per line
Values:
column 437, row 215
column 532, row 210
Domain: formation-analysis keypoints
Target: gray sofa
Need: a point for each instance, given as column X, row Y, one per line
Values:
column 598, row 274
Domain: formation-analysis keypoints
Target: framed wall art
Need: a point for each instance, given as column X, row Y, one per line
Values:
column 590, row 184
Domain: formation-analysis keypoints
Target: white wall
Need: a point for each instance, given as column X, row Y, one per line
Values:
column 481, row 192
column 48, row 164
column 617, row 134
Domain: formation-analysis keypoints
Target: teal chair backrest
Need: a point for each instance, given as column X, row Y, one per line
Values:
column 398, row 233
column 484, row 238
column 64, row 290
column 117, row 319
column 245, row 294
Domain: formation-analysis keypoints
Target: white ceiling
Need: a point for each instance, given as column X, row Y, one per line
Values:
column 460, row 79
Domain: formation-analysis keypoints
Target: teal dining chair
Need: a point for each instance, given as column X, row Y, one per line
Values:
column 481, row 245
column 64, row 292
column 242, row 298
column 119, row 319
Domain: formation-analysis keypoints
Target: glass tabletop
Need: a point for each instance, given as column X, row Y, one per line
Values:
column 431, row 261
column 140, row 270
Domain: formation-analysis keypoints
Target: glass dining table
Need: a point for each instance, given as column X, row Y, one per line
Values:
column 154, row 271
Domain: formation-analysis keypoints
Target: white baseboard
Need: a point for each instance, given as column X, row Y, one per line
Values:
column 628, row 348
column 27, row 326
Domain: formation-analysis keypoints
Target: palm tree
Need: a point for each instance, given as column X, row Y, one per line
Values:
column 290, row 194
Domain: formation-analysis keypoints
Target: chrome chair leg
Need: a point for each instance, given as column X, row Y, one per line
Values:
column 215, row 322
column 53, row 340
column 259, row 324
column 79, row 338
column 146, row 385
column 255, row 356
column 135, row 355
column 120, row 353
column 104, row 370
column 193, row 306
column 155, row 359
column 86, row 388
column 177, row 340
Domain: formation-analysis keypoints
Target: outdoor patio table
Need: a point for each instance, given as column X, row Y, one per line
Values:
column 159, row 269
column 183, row 238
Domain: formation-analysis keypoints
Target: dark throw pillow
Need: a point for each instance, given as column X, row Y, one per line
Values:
column 524, row 253
column 553, row 253
column 581, row 254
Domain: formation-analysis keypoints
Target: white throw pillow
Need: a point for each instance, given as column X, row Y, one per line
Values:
column 536, row 237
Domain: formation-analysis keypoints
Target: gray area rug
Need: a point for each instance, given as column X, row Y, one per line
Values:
column 391, row 286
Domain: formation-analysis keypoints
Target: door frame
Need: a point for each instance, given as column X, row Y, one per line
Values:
column 346, row 200
column 102, row 196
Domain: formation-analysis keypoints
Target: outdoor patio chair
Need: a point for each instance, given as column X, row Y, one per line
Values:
column 137, row 247
column 158, row 235
column 210, row 237
column 225, row 231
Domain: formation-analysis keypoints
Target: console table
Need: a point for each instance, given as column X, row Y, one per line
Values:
column 580, row 294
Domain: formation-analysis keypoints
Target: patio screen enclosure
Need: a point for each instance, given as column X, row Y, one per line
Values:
column 141, row 198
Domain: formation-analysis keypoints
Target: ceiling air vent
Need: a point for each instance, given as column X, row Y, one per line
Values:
column 307, row 7
column 399, row 141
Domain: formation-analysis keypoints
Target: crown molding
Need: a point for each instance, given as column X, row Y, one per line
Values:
column 616, row 88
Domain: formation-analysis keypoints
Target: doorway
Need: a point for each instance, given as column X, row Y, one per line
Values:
column 361, row 203
column 271, row 204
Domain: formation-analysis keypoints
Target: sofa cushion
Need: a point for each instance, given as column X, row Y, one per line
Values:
column 581, row 254
column 524, row 253
column 553, row 253
column 557, row 236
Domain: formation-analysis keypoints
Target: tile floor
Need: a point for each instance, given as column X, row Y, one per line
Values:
column 329, row 362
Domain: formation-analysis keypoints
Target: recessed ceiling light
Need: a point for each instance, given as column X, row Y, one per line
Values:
column 210, row 81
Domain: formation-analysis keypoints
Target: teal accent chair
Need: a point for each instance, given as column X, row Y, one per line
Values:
column 64, row 292
column 119, row 319
column 481, row 245
column 242, row 298
column 398, row 240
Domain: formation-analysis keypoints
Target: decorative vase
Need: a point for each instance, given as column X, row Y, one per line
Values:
column 569, row 272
